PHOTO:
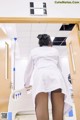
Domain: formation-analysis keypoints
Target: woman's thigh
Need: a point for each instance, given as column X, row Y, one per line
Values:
column 41, row 105
column 57, row 100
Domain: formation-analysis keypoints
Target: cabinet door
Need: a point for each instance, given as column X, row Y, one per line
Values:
column 5, row 75
column 73, row 47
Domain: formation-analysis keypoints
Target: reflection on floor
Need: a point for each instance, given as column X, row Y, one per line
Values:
column 33, row 117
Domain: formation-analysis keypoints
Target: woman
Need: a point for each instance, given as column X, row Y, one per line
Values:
column 44, row 75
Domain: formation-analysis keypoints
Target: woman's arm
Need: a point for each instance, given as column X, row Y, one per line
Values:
column 59, row 61
column 28, row 73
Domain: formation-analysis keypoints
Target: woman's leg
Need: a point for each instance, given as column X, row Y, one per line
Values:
column 41, row 106
column 57, row 100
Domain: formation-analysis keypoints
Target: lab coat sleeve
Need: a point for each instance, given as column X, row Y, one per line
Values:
column 28, row 72
column 59, row 62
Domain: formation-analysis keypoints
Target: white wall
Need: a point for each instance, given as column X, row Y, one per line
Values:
column 20, row 8
column 19, row 73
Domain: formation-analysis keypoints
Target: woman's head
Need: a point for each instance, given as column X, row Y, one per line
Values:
column 44, row 40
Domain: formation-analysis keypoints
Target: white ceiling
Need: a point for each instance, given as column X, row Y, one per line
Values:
column 27, row 35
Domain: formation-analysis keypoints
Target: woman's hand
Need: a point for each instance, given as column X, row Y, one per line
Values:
column 28, row 88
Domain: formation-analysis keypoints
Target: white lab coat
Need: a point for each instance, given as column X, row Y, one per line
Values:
column 44, row 74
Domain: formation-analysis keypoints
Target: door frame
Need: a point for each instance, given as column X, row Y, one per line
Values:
column 38, row 20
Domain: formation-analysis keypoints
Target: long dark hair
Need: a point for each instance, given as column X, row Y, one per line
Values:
column 44, row 40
